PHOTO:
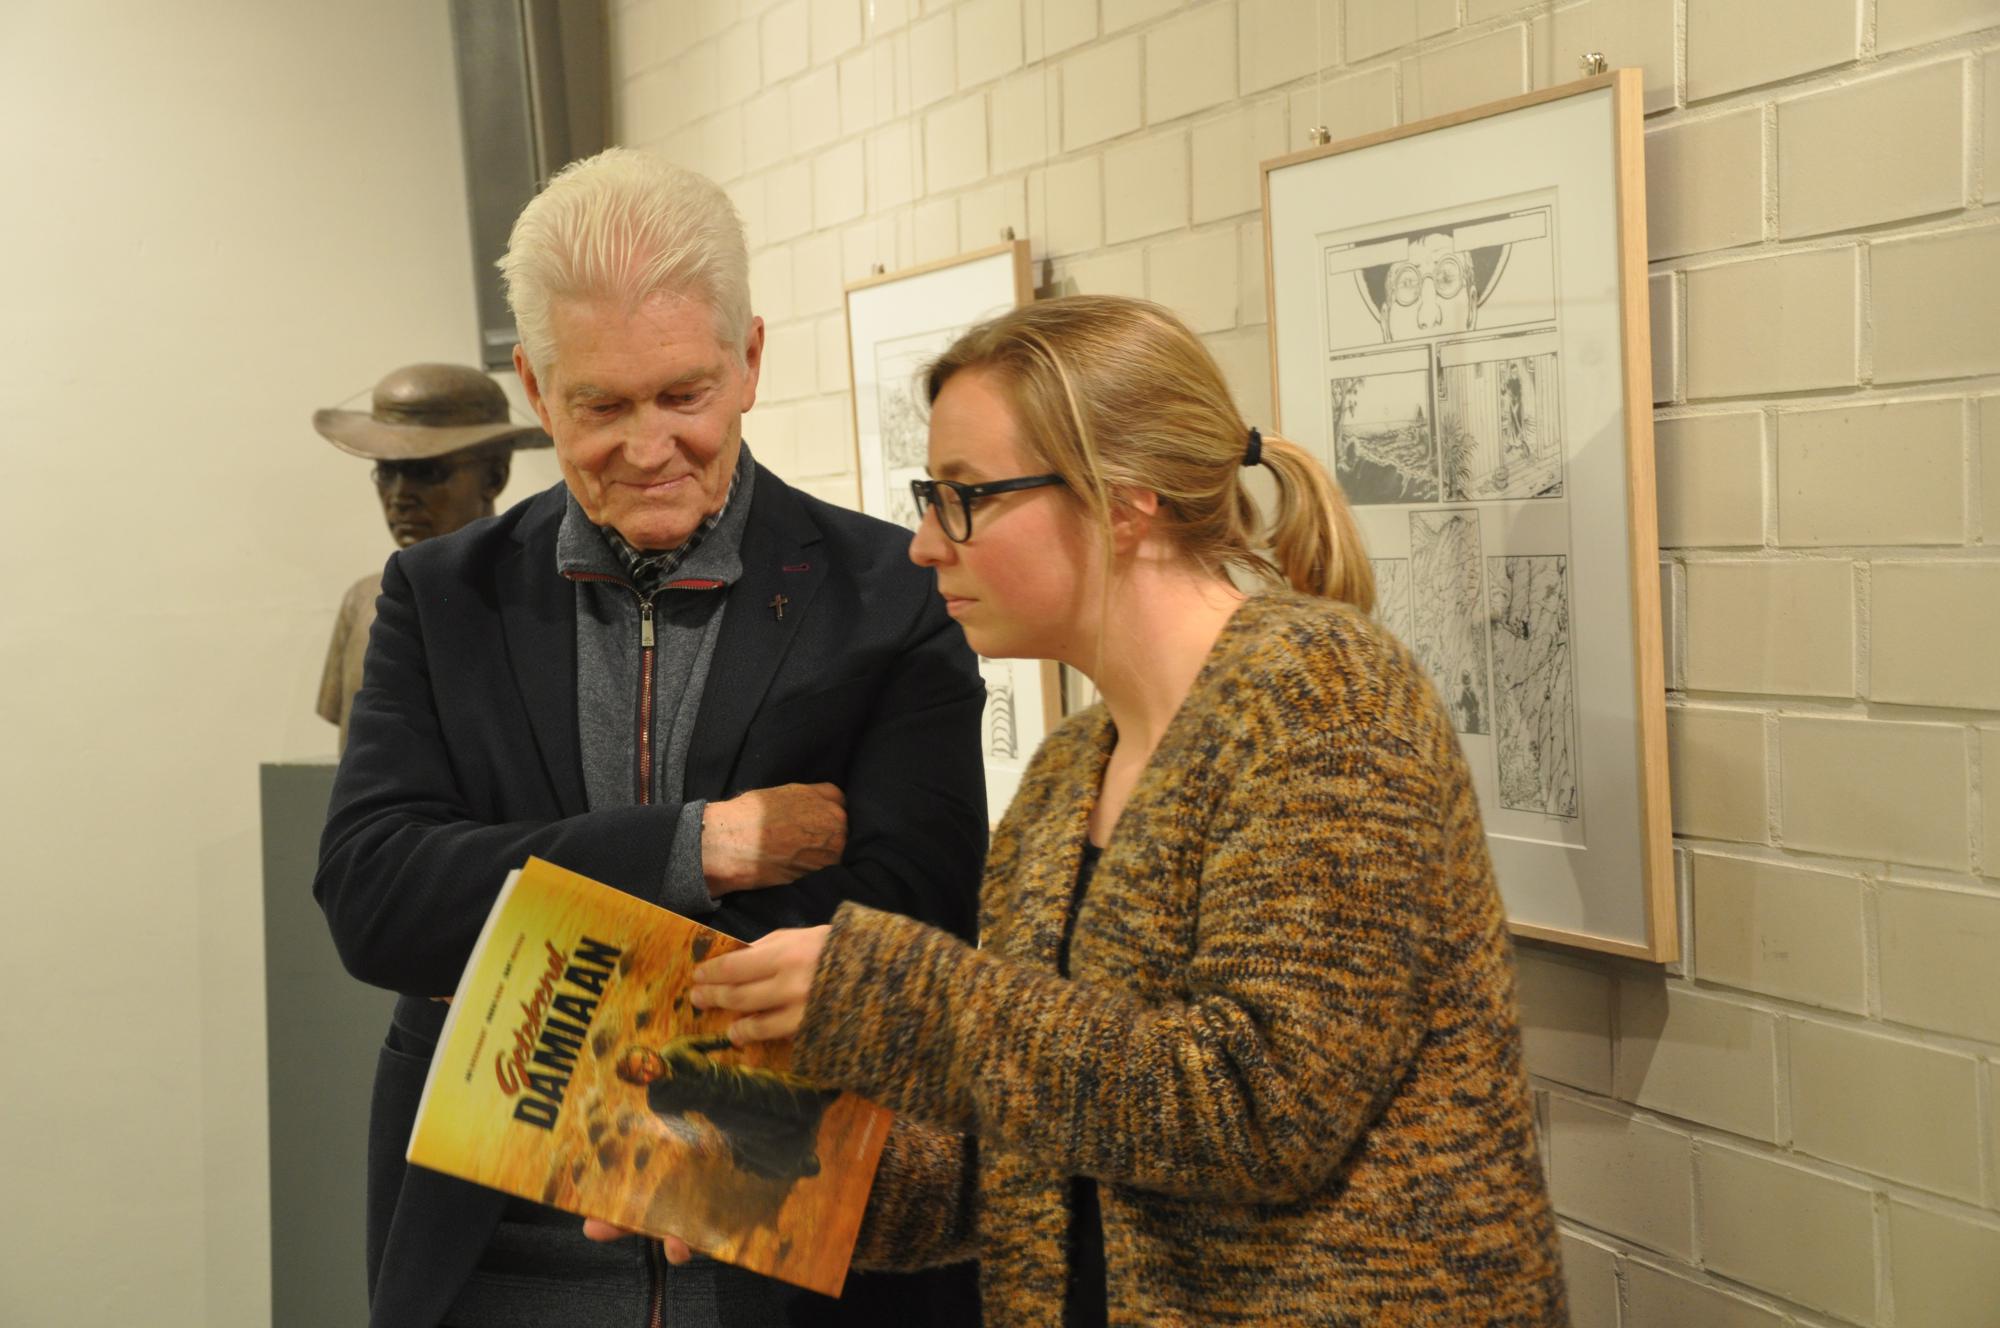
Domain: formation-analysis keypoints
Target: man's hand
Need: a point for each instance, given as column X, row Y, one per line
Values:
column 772, row 836
column 768, row 981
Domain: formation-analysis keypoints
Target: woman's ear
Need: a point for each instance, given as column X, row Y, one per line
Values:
column 1133, row 512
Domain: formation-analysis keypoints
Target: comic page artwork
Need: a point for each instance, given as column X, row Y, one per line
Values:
column 1449, row 621
column 1384, row 447
column 1392, row 594
column 1443, row 275
column 903, row 414
column 1534, row 694
column 1500, row 418
column 1444, row 398
column 1459, row 333
column 1011, row 727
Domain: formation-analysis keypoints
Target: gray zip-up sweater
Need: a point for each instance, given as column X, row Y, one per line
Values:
column 682, row 616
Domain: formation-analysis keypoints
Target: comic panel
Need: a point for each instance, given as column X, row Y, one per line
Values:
column 1448, row 616
column 1534, row 695
column 1384, row 448
column 1419, row 278
column 1392, row 594
column 1000, row 722
column 1500, row 418
column 904, row 416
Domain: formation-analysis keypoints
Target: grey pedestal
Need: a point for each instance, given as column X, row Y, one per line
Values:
column 322, row 1030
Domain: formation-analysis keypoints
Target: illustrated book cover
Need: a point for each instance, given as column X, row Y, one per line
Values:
column 572, row 1071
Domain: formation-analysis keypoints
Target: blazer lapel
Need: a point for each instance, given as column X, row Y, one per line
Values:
column 782, row 572
column 538, row 619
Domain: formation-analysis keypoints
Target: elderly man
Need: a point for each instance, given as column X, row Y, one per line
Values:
column 674, row 673
column 442, row 446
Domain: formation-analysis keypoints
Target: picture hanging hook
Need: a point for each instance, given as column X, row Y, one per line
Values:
column 1592, row 62
column 1320, row 135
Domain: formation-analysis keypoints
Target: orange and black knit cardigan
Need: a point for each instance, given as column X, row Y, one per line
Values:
column 1289, row 1052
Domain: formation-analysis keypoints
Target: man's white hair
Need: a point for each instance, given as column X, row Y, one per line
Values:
column 623, row 225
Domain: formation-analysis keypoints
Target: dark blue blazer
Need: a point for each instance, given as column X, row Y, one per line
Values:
column 464, row 758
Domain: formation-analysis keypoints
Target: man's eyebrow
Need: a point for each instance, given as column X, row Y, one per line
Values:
column 588, row 393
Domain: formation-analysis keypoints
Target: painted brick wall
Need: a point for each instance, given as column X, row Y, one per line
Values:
column 1801, row 1123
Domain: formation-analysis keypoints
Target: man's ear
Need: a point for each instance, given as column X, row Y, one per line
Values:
column 533, row 387
column 1133, row 512
column 753, row 362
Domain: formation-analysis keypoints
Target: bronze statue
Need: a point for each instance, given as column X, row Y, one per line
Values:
column 442, row 446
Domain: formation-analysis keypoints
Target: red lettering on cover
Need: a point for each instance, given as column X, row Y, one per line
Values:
column 512, row 1066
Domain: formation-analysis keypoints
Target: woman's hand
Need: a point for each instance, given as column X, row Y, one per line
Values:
column 767, row 982
column 673, row 1247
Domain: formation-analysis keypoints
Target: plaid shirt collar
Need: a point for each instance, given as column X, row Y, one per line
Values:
column 648, row 569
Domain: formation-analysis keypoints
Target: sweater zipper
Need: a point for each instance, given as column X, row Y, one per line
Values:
column 645, row 603
column 645, row 699
column 656, row 1273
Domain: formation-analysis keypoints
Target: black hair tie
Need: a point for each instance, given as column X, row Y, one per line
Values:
column 1253, row 455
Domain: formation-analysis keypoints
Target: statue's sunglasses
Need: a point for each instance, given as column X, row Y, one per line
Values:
column 953, row 501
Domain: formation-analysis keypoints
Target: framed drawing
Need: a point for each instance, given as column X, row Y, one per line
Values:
column 896, row 325
column 1459, row 328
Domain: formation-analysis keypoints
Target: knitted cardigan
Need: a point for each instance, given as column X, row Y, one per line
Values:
column 1289, row 1052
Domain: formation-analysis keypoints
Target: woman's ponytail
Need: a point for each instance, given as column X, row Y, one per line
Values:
column 1315, row 546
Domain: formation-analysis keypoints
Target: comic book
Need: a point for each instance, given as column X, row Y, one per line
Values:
column 572, row 1071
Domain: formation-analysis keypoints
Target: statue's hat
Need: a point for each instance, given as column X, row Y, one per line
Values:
column 427, row 410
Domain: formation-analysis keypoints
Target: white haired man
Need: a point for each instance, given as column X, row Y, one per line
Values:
column 672, row 672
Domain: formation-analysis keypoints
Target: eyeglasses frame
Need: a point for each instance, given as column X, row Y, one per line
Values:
column 924, row 492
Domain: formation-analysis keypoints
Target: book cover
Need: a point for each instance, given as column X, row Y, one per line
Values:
column 572, row 1071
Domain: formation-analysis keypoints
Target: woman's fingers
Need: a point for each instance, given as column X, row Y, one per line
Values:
column 769, row 1026
column 749, row 964
column 673, row 1247
column 775, row 971
column 763, row 994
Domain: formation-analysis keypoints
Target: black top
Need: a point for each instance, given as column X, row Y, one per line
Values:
column 1084, row 1300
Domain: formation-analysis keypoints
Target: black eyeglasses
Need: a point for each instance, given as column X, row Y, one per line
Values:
column 424, row 471
column 954, row 501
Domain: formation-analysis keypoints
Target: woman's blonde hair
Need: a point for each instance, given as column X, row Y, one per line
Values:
column 1116, row 393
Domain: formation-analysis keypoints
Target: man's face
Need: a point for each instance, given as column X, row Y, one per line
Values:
column 434, row 495
column 646, row 409
column 1431, row 290
column 641, row 1065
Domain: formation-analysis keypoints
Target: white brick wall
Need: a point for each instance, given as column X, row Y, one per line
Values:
column 1800, row 1126
column 1798, row 1233
column 1872, row 474
column 1771, row 627
column 1828, row 141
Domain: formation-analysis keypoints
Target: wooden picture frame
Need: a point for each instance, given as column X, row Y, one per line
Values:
column 896, row 324
column 1459, row 330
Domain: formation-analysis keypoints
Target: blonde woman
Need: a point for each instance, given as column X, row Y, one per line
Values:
column 1238, row 1044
